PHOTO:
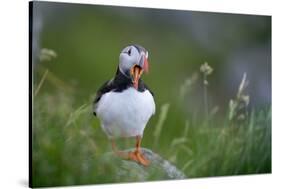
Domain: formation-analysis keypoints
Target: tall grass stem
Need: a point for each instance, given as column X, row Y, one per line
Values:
column 162, row 117
column 205, row 91
column 41, row 82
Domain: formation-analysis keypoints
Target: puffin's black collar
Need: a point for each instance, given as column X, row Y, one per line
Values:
column 122, row 82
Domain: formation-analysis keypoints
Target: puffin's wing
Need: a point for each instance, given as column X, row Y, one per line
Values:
column 105, row 88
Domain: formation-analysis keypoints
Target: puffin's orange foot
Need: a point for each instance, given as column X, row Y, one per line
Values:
column 137, row 156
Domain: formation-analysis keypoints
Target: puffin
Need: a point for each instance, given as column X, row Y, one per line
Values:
column 125, row 104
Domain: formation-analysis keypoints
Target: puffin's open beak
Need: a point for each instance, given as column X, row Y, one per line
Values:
column 137, row 70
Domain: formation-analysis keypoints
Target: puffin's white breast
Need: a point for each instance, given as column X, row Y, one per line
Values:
column 126, row 113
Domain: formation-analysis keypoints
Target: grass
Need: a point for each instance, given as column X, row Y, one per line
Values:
column 226, row 150
column 68, row 143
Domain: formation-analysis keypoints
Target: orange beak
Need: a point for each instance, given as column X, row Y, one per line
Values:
column 136, row 72
column 145, row 65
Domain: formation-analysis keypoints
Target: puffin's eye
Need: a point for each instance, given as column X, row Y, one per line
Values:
column 129, row 52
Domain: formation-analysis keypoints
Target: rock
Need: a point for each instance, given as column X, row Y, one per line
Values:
column 128, row 171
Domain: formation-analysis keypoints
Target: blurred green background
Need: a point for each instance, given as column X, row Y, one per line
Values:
column 76, row 49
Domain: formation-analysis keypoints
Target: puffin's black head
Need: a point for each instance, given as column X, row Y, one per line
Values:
column 133, row 61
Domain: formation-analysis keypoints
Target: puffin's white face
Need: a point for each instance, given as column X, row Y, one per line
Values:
column 133, row 61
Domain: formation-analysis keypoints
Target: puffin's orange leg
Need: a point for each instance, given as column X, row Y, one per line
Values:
column 118, row 152
column 137, row 154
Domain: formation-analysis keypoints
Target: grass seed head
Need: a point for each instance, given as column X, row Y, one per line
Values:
column 206, row 69
column 238, row 105
column 47, row 54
